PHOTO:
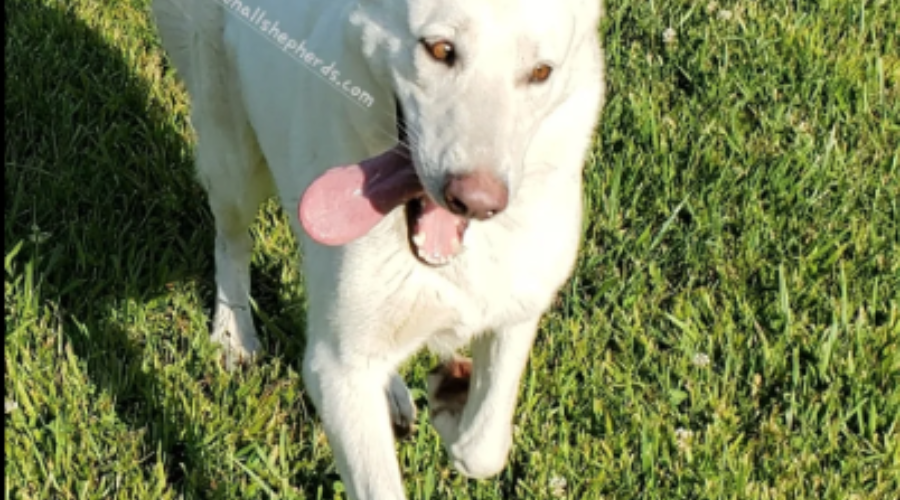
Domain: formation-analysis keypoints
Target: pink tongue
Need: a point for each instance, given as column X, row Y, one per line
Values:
column 346, row 202
column 437, row 233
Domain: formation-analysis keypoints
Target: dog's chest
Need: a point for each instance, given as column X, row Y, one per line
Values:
column 502, row 278
column 470, row 297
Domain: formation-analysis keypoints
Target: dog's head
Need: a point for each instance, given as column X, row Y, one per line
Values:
column 473, row 80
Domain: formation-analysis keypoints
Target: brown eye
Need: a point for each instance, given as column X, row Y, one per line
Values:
column 441, row 50
column 540, row 73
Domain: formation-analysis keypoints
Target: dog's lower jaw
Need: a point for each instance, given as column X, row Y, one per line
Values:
column 417, row 237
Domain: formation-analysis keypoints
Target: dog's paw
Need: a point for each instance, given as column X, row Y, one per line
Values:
column 233, row 330
column 448, row 392
column 474, row 452
column 402, row 407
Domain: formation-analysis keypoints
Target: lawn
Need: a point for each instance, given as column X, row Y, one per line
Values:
column 732, row 330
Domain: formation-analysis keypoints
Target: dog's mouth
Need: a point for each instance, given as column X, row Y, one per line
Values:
column 346, row 202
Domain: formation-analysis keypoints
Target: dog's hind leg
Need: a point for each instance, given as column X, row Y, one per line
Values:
column 402, row 407
column 472, row 403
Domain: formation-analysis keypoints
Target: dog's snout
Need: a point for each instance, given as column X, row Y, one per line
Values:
column 478, row 194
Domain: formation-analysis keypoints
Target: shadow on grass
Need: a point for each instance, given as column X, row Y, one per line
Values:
column 99, row 191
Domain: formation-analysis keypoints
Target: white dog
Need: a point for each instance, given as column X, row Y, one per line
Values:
column 462, row 128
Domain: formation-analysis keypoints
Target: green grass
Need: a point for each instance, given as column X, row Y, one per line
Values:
column 744, row 204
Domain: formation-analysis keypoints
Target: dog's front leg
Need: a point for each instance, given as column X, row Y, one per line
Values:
column 349, row 393
column 472, row 403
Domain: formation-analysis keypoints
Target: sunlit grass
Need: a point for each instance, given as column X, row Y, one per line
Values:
column 731, row 331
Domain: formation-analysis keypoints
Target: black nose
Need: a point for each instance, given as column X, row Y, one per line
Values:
column 477, row 195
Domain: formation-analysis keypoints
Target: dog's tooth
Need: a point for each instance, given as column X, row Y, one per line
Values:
column 434, row 259
column 419, row 239
column 425, row 256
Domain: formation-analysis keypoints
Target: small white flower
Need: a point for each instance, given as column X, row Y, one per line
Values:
column 700, row 360
column 669, row 36
column 725, row 15
column 712, row 7
column 10, row 405
column 683, row 438
column 558, row 486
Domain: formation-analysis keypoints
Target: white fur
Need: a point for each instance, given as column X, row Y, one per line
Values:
column 267, row 124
